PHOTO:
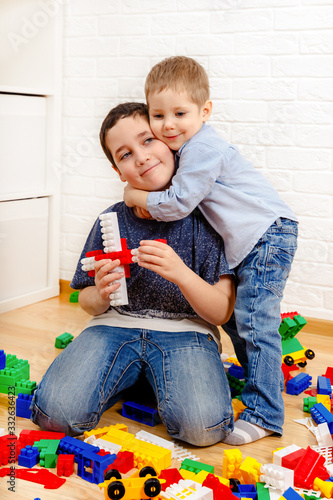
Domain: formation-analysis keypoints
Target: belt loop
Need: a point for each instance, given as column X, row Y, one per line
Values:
column 278, row 222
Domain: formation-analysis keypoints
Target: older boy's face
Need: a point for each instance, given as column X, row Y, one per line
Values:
column 175, row 118
column 142, row 160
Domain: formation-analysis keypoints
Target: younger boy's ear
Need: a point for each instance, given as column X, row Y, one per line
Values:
column 207, row 110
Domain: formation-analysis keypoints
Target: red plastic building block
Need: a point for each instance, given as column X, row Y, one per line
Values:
column 171, row 476
column 290, row 461
column 65, row 465
column 308, row 468
column 10, row 449
column 124, row 462
column 220, row 491
column 30, row 437
column 40, row 476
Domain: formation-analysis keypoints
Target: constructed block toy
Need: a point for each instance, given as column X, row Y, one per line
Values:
column 292, row 350
column 320, row 414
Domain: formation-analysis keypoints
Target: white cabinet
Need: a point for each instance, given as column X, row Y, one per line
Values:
column 30, row 132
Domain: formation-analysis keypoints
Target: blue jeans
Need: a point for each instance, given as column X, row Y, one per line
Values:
column 253, row 328
column 90, row 375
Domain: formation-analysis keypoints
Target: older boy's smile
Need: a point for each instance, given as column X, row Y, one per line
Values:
column 143, row 161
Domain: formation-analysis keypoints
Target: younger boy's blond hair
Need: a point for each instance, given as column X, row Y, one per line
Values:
column 181, row 74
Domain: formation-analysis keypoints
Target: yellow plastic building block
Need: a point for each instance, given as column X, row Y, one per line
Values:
column 250, row 470
column 238, row 407
column 143, row 452
column 325, row 487
column 232, row 460
column 101, row 431
column 325, row 400
column 233, row 360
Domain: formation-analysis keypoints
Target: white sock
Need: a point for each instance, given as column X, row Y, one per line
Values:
column 245, row 433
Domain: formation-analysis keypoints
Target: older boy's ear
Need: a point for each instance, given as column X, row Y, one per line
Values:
column 122, row 178
column 207, row 110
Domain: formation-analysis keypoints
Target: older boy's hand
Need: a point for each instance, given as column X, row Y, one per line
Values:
column 162, row 259
column 105, row 278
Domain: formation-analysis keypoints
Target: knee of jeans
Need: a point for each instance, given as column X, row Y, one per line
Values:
column 54, row 417
column 197, row 435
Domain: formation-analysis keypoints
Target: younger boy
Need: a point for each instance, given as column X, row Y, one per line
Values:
column 165, row 333
column 259, row 230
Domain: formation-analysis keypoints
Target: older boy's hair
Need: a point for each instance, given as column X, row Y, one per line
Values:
column 121, row 111
column 181, row 74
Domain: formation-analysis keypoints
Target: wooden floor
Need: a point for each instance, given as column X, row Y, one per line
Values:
column 30, row 333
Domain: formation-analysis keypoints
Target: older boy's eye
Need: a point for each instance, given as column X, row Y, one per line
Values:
column 124, row 156
column 148, row 140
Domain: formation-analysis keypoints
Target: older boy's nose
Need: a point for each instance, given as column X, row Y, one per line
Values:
column 142, row 158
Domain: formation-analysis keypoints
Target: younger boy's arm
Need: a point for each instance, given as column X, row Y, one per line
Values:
column 135, row 197
column 213, row 303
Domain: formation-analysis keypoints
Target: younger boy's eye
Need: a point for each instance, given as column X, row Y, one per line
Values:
column 157, row 116
column 180, row 113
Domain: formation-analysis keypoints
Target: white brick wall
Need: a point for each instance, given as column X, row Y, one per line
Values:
column 270, row 65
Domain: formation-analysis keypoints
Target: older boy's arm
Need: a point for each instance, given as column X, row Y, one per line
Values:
column 135, row 197
column 213, row 303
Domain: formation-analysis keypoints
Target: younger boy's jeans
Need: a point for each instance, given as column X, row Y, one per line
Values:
column 253, row 328
column 184, row 369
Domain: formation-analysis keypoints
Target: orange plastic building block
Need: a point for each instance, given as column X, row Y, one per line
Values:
column 250, row 470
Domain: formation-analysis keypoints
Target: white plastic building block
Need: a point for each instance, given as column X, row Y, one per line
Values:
column 186, row 488
column 279, row 454
column 180, row 453
column 103, row 445
column 323, row 435
column 151, row 438
column 277, row 477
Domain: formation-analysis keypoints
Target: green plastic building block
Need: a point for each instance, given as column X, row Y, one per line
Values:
column 74, row 297
column 63, row 340
column 193, row 466
column 48, row 452
column 262, row 492
column 9, row 376
column 308, row 403
column 25, row 387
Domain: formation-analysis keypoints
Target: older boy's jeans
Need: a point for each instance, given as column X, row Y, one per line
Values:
column 254, row 326
column 184, row 369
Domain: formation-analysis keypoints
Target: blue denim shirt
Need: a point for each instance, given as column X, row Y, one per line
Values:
column 235, row 198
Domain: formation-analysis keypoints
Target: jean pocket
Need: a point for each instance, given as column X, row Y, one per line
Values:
column 277, row 269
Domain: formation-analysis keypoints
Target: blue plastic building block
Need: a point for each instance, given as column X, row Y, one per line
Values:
column 2, row 359
column 236, row 371
column 140, row 413
column 91, row 466
column 23, row 403
column 324, row 386
column 298, row 384
column 291, row 494
column 28, row 457
column 246, row 491
column 320, row 415
column 71, row 446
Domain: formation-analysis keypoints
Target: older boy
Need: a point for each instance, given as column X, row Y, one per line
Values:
column 166, row 331
column 259, row 230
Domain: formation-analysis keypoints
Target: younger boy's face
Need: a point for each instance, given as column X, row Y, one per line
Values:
column 142, row 160
column 175, row 118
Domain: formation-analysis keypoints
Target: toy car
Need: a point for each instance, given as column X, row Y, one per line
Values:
column 292, row 350
column 145, row 485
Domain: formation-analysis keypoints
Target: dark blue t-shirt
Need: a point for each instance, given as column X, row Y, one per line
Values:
column 150, row 295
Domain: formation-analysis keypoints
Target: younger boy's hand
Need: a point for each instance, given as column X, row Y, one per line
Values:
column 105, row 278
column 129, row 193
column 162, row 259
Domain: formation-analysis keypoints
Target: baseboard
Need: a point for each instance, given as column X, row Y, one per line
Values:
column 313, row 326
